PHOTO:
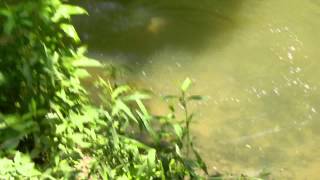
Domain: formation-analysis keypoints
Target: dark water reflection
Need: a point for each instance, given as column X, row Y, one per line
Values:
column 135, row 30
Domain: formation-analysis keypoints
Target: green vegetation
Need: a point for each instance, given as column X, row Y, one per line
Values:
column 49, row 128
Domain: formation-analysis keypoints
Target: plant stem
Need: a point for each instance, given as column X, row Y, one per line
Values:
column 185, row 107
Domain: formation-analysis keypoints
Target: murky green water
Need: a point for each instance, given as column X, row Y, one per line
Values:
column 257, row 61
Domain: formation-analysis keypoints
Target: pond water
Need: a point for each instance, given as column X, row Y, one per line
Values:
column 257, row 61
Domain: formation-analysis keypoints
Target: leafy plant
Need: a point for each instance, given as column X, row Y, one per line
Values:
column 49, row 128
column 20, row 166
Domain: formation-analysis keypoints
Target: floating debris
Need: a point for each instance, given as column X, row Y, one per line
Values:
column 298, row 69
column 307, row 86
column 264, row 92
column 248, row 146
column 144, row 73
column 290, row 56
column 292, row 48
column 276, row 91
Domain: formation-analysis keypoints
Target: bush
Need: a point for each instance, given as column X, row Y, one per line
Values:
column 48, row 127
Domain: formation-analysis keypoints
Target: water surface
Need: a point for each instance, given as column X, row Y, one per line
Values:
column 257, row 61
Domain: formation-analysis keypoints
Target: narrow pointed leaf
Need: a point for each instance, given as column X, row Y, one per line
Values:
column 186, row 84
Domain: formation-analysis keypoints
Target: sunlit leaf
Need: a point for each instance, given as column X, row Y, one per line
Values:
column 119, row 90
column 17, row 157
column 163, row 176
column 178, row 151
column 142, row 108
column 72, row 10
column 186, row 84
column 82, row 73
column 137, row 96
column 6, row 165
column 178, row 130
column 66, row 11
column 78, row 139
column 135, row 142
column 70, row 31
column 60, row 128
column 82, row 50
column 152, row 157
column 2, row 79
column 115, row 137
column 86, row 62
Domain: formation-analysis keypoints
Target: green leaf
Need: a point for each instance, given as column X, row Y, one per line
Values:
column 27, row 22
column 17, row 157
column 142, row 108
column 169, row 97
column 65, row 166
column 186, row 85
column 70, row 31
column 10, row 22
column 115, row 137
column 56, row 159
column 33, row 106
column 134, row 142
column 78, row 139
column 137, row 96
column 178, row 130
column 82, row 50
column 2, row 79
column 10, row 143
column 178, row 151
column 72, row 10
column 201, row 163
column 196, row 98
column 20, row 124
column 86, row 62
column 121, row 106
column 118, row 91
column 61, row 128
column 145, row 121
column 152, row 158
column 5, row 12
column 24, row 166
column 163, row 176
column 6, row 166
column 82, row 73
column 65, row 11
